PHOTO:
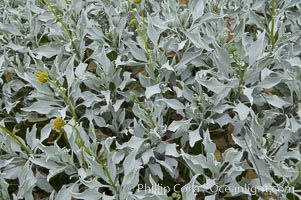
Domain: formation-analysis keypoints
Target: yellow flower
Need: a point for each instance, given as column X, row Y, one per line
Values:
column 136, row 1
column 58, row 124
column 42, row 77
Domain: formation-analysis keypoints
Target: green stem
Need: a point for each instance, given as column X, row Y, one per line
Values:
column 143, row 35
column 240, row 74
column 67, row 99
column 241, row 80
column 79, row 140
column 15, row 139
column 81, row 144
column 83, row 157
column 149, row 56
column 64, row 25
column 273, row 24
column 147, row 112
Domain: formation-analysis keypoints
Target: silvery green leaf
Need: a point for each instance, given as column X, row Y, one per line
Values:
column 223, row 60
column 147, row 155
column 196, row 163
column 131, row 179
column 4, row 186
column 221, row 108
column 4, row 163
column 187, row 57
column 256, row 49
column 139, row 129
column 106, row 197
column 96, row 169
column 47, row 51
column 269, row 82
column 65, row 193
column 265, row 73
column 80, row 69
column 210, row 147
column 9, row 106
column 187, row 93
column 256, row 127
column 239, row 30
column 171, row 150
column 88, row 194
column 293, row 124
column 70, row 71
column 175, row 125
column 276, row 101
column 167, row 66
column 129, row 62
column 242, row 111
column 112, row 168
column 255, row 18
column 173, row 103
column 280, row 169
column 195, row 38
column 17, row 47
column 198, row 9
column 89, row 99
column 31, row 137
column 105, row 62
column 152, row 32
column 9, row 28
column 126, row 80
column 42, row 107
column 248, row 93
column 156, row 170
column 173, row 164
column 136, row 52
column 92, row 184
column 133, row 143
column 211, row 197
column 170, row 164
column 212, row 84
column 107, row 95
column 158, row 22
column 232, row 155
column 181, row 45
column 209, row 183
column 118, row 157
column 152, row 90
column 194, row 136
column 178, row 91
column 55, row 171
column 144, row 81
column 43, row 183
column 120, row 28
column 131, row 168
column 27, row 182
column 187, row 190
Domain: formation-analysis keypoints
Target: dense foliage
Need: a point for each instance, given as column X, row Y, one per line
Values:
column 101, row 97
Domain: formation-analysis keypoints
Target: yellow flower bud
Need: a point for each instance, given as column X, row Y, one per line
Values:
column 133, row 22
column 42, row 77
column 58, row 124
column 132, row 96
column 136, row 1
